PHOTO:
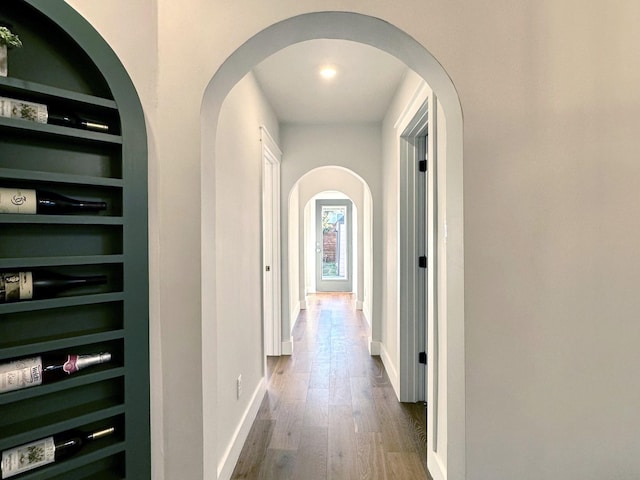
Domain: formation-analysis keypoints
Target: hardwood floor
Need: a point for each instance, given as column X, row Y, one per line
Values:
column 330, row 411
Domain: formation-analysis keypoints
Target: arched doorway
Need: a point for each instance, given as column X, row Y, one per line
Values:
column 304, row 191
column 446, row 456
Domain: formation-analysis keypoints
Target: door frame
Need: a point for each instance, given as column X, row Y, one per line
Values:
column 271, row 264
column 413, row 125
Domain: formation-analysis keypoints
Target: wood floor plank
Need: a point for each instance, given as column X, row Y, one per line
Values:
column 316, row 413
column 295, row 386
column 392, row 422
column 342, row 448
column 311, row 460
column 320, row 373
column 339, row 391
column 371, row 457
column 363, row 405
column 302, row 361
column 277, row 465
column 254, row 449
column 339, row 364
column 287, row 430
column 405, row 466
column 357, row 361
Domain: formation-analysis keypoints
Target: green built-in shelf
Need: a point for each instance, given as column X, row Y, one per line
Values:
column 67, row 66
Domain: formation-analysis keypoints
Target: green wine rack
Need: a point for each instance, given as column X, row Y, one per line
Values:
column 66, row 65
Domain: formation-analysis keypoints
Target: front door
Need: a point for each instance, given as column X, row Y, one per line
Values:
column 334, row 264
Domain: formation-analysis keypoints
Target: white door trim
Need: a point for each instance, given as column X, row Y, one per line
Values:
column 411, row 125
column 271, row 157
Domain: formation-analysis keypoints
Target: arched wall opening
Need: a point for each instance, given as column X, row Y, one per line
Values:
column 386, row 37
column 307, row 188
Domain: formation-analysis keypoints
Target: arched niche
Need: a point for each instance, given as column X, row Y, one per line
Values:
column 65, row 65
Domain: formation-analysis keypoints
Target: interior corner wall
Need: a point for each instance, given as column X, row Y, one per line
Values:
column 238, row 249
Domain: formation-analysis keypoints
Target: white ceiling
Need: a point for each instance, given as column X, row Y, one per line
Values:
column 361, row 91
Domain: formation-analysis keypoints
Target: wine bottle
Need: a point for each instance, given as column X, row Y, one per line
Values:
column 31, row 111
column 47, row 450
column 16, row 286
column 29, row 201
column 33, row 371
column 40, row 113
column 76, row 121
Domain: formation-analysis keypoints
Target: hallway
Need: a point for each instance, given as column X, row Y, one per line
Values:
column 330, row 411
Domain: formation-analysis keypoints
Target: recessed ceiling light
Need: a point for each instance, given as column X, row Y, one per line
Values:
column 328, row 72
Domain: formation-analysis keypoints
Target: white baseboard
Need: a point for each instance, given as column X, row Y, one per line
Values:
column 392, row 372
column 232, row 453
column 287, row 347
column 374, row 347
column 359, row 305
column 436, row 467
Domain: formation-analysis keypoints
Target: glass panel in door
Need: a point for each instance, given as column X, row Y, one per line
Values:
column 333, row 246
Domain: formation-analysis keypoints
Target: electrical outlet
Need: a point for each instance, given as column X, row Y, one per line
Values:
column 239, row 386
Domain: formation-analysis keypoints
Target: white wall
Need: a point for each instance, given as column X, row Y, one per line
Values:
column 238, row 252
column 354, row 147
column 551, row 107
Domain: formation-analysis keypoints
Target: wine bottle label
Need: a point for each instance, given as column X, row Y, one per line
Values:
column 16, row 286
column 34, row 112
column 13, row 200
column 27, row 457
column 23, row 373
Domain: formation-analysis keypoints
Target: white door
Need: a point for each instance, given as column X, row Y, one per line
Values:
column 271, row 244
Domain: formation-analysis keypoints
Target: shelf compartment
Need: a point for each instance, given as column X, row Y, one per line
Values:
column 46, row 130
column 37, row 427
column 42, row 326
column 47, row 412
column 60, row 219
column 112, row 197
column 61, row 178
column 31, row 240
column 57, row 155
column 80, row 344
column 100, row 464
column 41, row 92
column 98, row 373
column 13, row 263
column 60, row 302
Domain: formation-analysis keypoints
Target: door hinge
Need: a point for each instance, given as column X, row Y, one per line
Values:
column 422, row 358
column 422, row 262
column 422, row 165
